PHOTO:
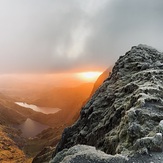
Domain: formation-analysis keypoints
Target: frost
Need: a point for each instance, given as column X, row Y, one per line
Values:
column 127, row 108
column 83, row 153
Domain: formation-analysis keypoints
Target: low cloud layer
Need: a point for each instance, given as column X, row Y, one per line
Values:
column 61, row 35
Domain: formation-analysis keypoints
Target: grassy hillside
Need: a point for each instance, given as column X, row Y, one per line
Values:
column 10, row 146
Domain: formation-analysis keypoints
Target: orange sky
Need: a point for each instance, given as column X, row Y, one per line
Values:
column 58, row 36
column 55, row 80
column 88, row 76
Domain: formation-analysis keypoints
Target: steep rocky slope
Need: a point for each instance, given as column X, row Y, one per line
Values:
column 125, row 115
column 100, row 80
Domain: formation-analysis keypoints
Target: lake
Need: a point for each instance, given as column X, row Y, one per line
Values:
column 45, row 110
column 31, row 128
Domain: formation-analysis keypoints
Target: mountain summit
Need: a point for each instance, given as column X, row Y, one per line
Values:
column 124, row 117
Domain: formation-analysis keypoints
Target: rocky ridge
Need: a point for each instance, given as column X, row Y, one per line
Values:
column 100, row 80
column 125, row 115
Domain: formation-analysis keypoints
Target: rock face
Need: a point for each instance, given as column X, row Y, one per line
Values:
column 86, row 154
column 125, row 114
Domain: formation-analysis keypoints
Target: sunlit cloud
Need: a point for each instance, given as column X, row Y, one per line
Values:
column 61, row 35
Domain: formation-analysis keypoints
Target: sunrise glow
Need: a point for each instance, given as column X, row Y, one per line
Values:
column 89, row 76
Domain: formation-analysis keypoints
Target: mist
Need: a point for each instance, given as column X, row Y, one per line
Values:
column 39, row 36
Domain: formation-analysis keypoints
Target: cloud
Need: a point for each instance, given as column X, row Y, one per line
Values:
column 122, row 24
column 52, row 35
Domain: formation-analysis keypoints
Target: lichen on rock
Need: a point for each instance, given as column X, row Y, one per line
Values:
column 125, row 114
column 86, row 154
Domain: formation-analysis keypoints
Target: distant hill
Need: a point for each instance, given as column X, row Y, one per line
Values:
column 63, row 97
column 69, row 100
column 11, row 139
column 100, row 80
column 10, row 113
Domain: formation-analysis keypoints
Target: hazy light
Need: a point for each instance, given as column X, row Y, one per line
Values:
column 89, row 76
column 52, row 36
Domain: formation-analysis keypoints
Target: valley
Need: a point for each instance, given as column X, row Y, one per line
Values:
column 38, row 121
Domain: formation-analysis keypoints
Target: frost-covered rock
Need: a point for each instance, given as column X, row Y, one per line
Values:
column 160, row 127
column 86, row 154
column 126, row 112
column 149, row 143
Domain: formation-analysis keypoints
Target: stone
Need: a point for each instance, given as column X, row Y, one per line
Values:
column 125, row 115
column 150, row 143
column 86, row 154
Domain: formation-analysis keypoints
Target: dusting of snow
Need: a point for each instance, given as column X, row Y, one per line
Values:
column 87, row 154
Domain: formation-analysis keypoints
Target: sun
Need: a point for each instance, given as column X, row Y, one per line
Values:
column 90, row 76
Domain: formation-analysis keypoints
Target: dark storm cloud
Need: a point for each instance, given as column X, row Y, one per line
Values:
column 58, row 35
column 122, row 24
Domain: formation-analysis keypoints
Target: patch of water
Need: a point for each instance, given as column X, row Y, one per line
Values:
column 45, row 110
column 31, row 128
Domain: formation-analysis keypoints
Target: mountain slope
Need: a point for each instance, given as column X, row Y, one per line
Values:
column 11, row 139
column 13, row 114
column 10, row 113
column 62, row 97
column 125, row 114
column 69, row 100
column 11, row 144
column 100, row 80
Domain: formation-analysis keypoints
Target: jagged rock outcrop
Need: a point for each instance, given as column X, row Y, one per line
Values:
column 125, row 114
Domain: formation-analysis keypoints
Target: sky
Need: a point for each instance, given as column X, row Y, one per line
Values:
column 74, row 35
